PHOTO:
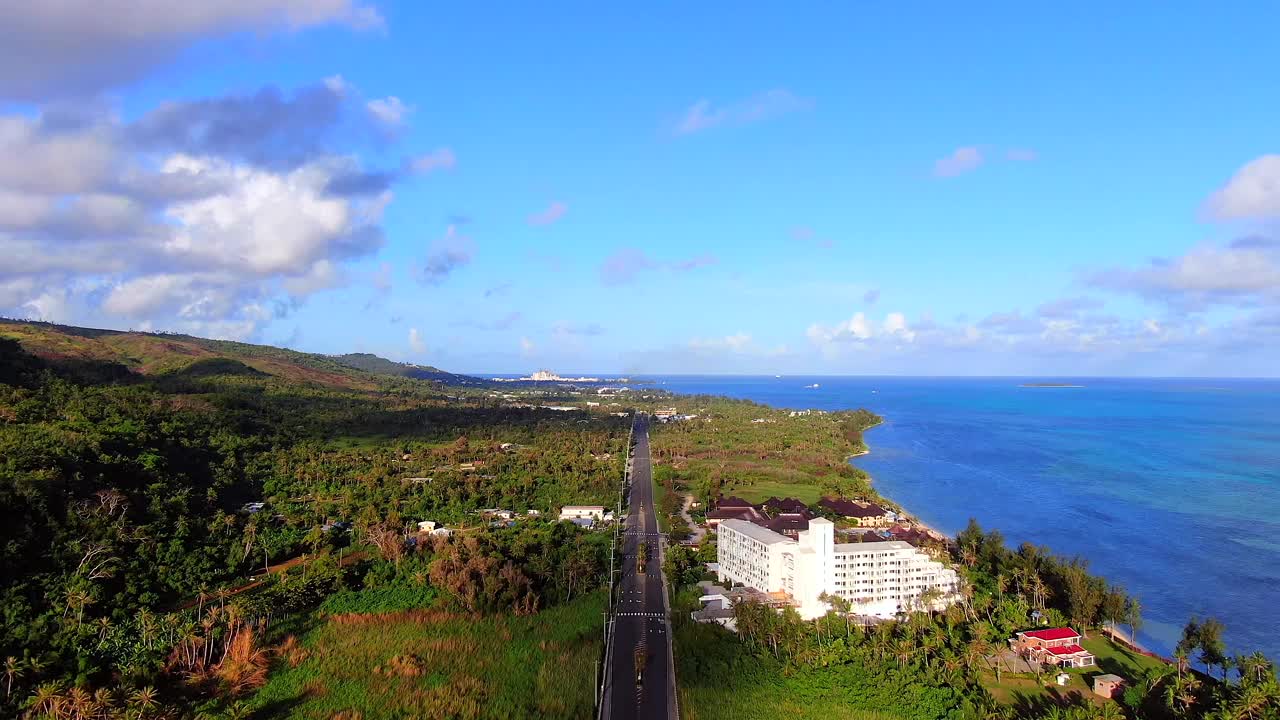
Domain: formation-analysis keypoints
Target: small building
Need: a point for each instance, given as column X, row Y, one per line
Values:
column 426, row 526
column 252, row 508
column 496, row 513
column 1062, row 679
column 665, row 413
column 1053, row 646
column 1107, row 685
column 865, row 514
column 586, row 523
column 748, row 513
column 533, row 513
column 574, row 512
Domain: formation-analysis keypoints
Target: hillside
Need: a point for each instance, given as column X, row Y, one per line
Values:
column 105, row 354
column 143, row 476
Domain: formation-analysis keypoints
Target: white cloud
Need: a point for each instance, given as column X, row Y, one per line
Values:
column 1246, row 271
column 962, row 160
column 554, row 212
column 71, row 161
column 1253, row 192
column 416, row 343
column 391, row 111
column 703, row 114
column 895, row 325
column 268, row 223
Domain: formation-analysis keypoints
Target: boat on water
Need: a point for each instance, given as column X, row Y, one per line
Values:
column 811, row 387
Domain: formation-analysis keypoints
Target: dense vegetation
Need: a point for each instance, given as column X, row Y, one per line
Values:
column 127, row 461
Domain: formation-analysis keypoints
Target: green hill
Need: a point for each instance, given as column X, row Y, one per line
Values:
column 113, row 355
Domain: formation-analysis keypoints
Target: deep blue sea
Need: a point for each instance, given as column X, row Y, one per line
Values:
column 1170, row 487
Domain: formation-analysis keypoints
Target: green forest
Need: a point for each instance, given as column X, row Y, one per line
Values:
column 183, row 517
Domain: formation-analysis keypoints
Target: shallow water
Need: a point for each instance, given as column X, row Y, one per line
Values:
column 1170, row 487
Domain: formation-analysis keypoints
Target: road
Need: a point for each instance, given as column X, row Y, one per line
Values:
column 641, row 625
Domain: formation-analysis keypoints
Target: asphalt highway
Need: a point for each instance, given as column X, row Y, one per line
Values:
column 640, row 682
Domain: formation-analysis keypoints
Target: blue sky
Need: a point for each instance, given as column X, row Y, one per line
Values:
column 726, row 188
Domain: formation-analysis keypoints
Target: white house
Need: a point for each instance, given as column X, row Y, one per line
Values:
column 425, row 526
column 877, row 578
column 580, row 512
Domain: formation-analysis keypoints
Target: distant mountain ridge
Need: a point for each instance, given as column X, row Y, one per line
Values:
column 118, row 353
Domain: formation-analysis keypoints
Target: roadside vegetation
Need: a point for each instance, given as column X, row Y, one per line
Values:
column 147, row 480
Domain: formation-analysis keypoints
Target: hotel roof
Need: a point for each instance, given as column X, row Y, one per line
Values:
column 881, row 546
column 755, row 532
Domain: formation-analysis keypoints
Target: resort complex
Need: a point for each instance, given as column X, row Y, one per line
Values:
column 880, row 579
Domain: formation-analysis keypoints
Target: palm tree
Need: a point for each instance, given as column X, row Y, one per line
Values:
column 143, row 700
column 12, row 671
column 47, row 700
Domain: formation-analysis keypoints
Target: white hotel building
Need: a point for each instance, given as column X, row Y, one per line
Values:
column 878, row 578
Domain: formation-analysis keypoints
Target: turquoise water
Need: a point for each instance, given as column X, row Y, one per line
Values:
column 1170, row 487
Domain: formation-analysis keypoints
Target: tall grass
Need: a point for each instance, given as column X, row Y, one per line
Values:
column 433, row 663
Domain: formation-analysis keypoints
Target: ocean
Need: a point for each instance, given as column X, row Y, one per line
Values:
column 1170, row 487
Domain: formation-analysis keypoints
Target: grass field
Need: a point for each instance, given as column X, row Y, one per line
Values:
column 433, row 663
column 1113, row 658
column 760, row 489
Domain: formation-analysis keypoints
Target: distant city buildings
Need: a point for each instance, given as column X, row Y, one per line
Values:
column 549, row 376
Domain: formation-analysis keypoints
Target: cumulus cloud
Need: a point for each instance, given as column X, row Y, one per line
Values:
column 959, row 162
column 861, row 330
column 200, row 216
column 704, row 115
column 62, row 48
column 1245, row 272
column 1253, row 192
column 416, row 343
column 446, row 255
column 267, row 127
column 625, row 264
column 551, row 214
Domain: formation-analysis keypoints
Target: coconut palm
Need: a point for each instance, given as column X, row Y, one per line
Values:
column 12, row 670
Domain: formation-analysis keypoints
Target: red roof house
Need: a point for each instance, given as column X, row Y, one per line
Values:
column 1053, row 646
